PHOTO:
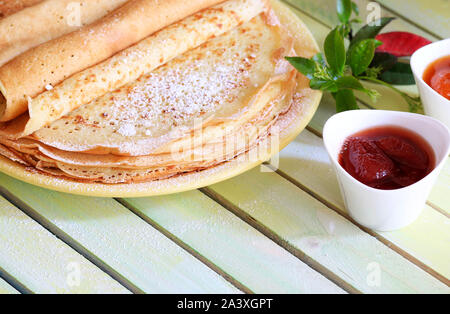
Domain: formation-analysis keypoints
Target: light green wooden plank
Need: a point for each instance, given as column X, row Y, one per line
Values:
column 325, row 11
column 325, row 236
column 135, row 251
column 326, row 109
column 432, row 15
column 5, row 288
column 306, row 161
column 389, row 100
column 43, row 263
column 440, row 196
column 237, row 248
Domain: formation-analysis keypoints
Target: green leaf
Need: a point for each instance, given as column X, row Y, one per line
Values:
column 335, row 51
column 361, row 55
column 319, row 59
column 373, row 72
column 344, row 10
column 399, row 74
column 384, row 60
column 306, row 66
column 349, row 82
column 372, row 30
column 326, row 86
column 355, row 8
column 345, row 100
column 356, row 21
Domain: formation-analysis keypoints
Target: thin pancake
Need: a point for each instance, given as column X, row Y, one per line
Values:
column 50, row 63
column 218, row 80
column 229, row 145
column 144, row 57
column 242, row 125
column 8, row 7
column 290, row 124
column 46, row 21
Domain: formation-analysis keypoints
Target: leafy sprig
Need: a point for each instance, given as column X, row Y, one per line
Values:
column 342, row 68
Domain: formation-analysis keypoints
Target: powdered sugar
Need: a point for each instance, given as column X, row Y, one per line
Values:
column 127, row 130
column 172, row 92
column 212, row 81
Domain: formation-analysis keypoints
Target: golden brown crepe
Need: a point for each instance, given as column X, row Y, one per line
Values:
column 8, row 7
column 47, row 20
column 142, row 58
column 200, row 108
column 50, row 63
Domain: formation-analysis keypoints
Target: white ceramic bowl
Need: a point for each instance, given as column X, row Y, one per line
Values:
column 435, row 105
column 385, row 210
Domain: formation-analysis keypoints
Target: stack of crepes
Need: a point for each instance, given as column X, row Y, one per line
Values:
column 151, row 90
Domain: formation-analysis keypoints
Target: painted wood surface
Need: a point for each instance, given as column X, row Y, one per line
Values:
column 323, row 235
column 324, row 11
column 231, row 244
column 306, row 161
column 5, row 288
column 269, row 235
column 298, row 162
column 132, row 250
column 432, row 15
column 43, row 263
column 440, row 196
column 389, row 100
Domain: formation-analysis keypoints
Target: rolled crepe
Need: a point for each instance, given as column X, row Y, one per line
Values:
column 50, row 63
column 46, row 21
column 142, row 58
column 8, row 7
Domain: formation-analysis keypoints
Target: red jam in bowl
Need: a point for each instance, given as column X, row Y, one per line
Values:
column 437, row 75
column 387, row 157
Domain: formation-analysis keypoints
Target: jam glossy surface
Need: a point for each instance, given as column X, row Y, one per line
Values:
column 437, row 75
column 387, row 157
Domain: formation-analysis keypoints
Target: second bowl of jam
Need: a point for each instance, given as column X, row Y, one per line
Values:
column 387, row 157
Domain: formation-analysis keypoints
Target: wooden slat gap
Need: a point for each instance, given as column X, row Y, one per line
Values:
column 407, row 19
column 388, row 10
column 374, row 234
column 13, row 282
column 72, row 243
column 186, row 247
column 280, row 241
column 438, row 209
column 289, row 4
column 313, row 131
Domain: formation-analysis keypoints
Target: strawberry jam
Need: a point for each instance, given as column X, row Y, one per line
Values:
column 437, row 75
column 387, row 157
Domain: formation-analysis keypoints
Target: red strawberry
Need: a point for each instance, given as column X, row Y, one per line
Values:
column 401, row 44
column 403, row 152
column 369, row 162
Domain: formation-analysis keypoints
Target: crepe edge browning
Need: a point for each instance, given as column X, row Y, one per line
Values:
column 303, row 106
column 126, row 66
column 278, row 89
column 50, row 63
column 8, row 8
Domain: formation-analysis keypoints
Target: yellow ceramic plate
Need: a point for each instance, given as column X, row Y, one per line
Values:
column 290, row 125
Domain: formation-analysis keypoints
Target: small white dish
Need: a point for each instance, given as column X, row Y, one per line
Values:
column 435, row 105
column 385, row 210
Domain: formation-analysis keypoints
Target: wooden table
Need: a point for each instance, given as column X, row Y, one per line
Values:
column 262, row 232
